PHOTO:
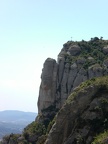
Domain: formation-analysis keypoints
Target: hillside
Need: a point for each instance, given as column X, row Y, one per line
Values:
column 84, row 115
column 14, row 116
column 73, row 97
column 12, row 121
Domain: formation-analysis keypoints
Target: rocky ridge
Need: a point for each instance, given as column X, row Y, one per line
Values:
column 78, row 118
column 77, row 62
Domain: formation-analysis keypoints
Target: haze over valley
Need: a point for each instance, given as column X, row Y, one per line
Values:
column 12, row 121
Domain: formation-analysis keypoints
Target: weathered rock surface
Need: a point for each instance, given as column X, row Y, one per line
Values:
column 77, row 62
column 74, row 50
column 83, row 116
column 105, row 49
column 95, row 71
column 48, row 84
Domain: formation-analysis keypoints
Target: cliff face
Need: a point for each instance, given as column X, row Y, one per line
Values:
column 77, row 62
column 71, row 111
column 48, row 84
column 83, row 116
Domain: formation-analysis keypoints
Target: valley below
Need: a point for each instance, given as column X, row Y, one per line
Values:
column 14, row 121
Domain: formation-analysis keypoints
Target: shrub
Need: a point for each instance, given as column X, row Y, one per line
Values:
column 100, row 139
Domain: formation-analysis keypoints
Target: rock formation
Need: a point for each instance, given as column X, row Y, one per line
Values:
column 77, row 62
column 84, row 114
column 48, row 84
column 73, row 97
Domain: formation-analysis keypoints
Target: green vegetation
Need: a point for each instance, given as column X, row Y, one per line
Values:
column 12, row 137
column 89, row 49
column 36, row 128
column 37, row 131
column 100, row 83
column 50, row 125
column 102, row 138
column 99, row 125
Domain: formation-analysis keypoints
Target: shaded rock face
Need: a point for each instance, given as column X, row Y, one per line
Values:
column 83, row 116
column 77, row 62
column 105, row 49
column 48, row 84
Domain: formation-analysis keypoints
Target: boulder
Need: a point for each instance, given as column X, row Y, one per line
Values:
column 74, row 50
column 105, row 49
column 95, row 71
column 105, row 63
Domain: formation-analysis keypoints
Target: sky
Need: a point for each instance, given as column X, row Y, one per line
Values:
column 33, row 30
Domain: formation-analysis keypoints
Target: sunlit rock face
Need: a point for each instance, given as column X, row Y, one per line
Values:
column 77, row 62
column 83, row 116
column 48, row 84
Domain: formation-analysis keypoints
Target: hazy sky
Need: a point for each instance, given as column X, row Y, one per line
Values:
column 31, row 31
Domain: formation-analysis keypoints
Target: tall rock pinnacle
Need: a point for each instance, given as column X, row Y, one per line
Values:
column 48, row 84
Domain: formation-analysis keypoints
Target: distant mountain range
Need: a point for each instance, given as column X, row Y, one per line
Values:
column 13, row 121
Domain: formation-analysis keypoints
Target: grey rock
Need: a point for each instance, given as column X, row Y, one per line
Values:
column 105, row 49
column 74, row 50
column 48, row 84
column 61, row 56
column 75, row 121
column 105, row 63
column 81, row 61
column 66, row 120
column 95, row 71
column 81, row 76
column 61, row 69
column 60, row 78
column 91, row 59
column 71, row 77
column 64, row 89
column 21, row 138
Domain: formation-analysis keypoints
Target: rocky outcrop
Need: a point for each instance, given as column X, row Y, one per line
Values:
column 95, row 71
column 77, row 62
column 83, row 116
column 69, row 113
column 105, row 49
column 74, row 50
column 48, row 84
